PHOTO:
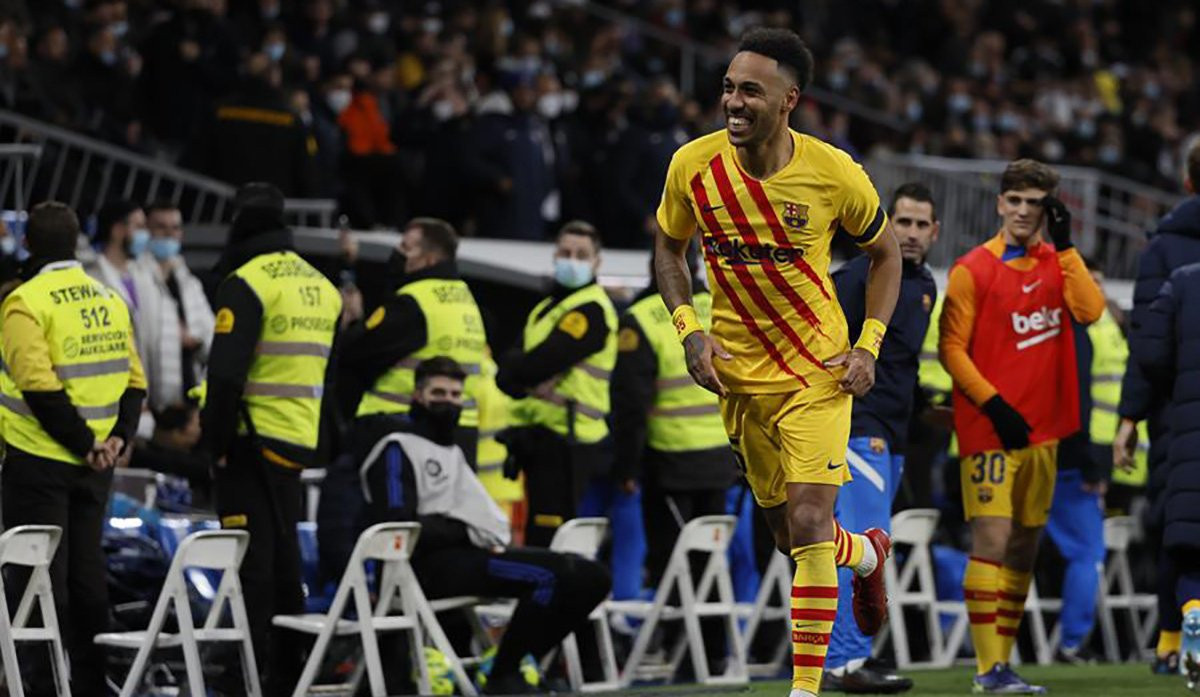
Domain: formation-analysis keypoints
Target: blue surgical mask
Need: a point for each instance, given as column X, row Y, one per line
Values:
column 108, row 57
column 275, row 51
column 572, row 273
column 164, row 248
column 8, row 245
column 138, row 242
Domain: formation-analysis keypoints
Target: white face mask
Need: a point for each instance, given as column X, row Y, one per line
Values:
column 443, row 110
column 8, row 245
column 338, row 100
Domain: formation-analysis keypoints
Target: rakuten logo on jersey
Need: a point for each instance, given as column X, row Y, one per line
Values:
column 1046, row 322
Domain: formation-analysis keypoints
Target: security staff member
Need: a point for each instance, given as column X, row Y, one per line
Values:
column 560, row 379
column 262, row 417
column 432, row 313
column 71, row 387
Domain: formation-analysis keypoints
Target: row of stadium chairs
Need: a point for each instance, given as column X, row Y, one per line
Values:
column 401, row 606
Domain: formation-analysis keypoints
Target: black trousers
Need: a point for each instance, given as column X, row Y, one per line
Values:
column 266, row 500
column 40, row 491
column 665, row 512
column 557, row 475
column 555, row 594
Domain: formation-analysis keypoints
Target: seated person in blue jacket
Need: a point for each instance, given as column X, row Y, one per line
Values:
column 412, row 471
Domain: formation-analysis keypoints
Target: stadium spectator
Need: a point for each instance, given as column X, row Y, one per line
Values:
column 639, row 165
column 124, row 265
column 511, row 161
column 252, row 135
column 412, row 471
column 190, row 61
column 373, row 190
column 1174, row 244
column 1165, row 347
column 943, row 79
column 106, row 87
column 55, row 81
column 174, row 375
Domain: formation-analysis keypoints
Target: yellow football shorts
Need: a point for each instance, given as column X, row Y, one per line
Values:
column 1016, row 484
column 790, row 437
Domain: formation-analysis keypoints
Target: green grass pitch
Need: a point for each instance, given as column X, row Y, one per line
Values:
column 1062, row 681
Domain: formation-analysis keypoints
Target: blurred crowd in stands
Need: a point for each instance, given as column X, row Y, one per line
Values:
column 506, row 117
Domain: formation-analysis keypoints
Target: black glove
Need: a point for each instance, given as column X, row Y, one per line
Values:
column 1008, row 422
column 1058, row 223
column 510, row 438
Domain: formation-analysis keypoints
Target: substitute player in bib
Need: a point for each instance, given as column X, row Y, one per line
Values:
column 767, row 201
column 1006, row 342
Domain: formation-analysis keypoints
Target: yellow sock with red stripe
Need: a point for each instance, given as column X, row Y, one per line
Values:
column 853, row 551
column 814, row 607
column 1010, row 606
column 1168, row 643
column 979, row 590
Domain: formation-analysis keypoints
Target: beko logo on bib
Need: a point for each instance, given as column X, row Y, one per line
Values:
column 1047, row 322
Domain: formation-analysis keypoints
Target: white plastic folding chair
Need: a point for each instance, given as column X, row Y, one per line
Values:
column 911, row 585
column 772, row 604
column 32, row 546
column 1036, row 609
column 391, row 546
column 710, row 535
column 218, row 550
column 583, row 536
column 1118, row 594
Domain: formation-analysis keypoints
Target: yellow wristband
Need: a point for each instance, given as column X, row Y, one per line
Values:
column 871, row 337
column 685, row 321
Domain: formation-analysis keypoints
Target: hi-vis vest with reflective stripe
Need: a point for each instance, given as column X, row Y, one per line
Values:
column 453, row 328
column 491, row 453
column 300, row 315
column 585, row 384
column 1110, row 353
column 685, row 416
column 87, row 328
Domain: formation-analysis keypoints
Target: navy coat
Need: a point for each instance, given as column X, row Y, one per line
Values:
column 1175, row 243
column 1167, row 346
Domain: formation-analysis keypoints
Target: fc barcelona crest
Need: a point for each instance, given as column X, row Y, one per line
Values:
column 795, row 215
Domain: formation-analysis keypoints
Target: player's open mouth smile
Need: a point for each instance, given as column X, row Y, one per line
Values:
column 738, row 123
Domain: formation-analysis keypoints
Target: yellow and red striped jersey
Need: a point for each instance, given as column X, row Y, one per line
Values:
column 766, row 244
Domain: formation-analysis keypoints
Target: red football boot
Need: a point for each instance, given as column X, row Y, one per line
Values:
column 870, row 594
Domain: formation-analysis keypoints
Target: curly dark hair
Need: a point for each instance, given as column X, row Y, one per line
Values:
column 786, row 47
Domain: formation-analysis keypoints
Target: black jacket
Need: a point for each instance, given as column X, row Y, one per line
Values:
column 884, row 412
column 1175, row 243
column 1167, row 345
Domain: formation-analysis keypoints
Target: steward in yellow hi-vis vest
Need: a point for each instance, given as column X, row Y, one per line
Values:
column 432, row 313
column 669, row 443
column 263, row 411
column 71, row 392
column 560, row 381
column 1110, row 353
